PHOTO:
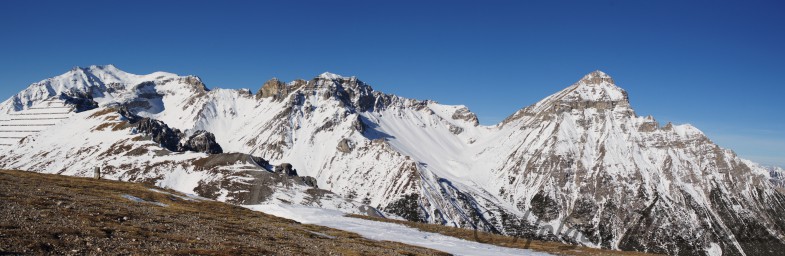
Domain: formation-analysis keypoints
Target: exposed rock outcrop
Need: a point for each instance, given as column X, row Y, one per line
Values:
column 202, row 141
column 196, row 82
column 580, row 157
column 407, row 207
column 161, row 133
column 80, row 101
column 286, row 168
column 344, row 146
column 777, row 175
column 466, row 115
column 170, row 138
column 310, row 181
column 277, row 90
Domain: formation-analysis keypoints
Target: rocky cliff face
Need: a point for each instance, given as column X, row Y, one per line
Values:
column 202, row 141
column 172, row 139
column 625, row 182
column 777, row 176
column 579, row 166
column 274, row 89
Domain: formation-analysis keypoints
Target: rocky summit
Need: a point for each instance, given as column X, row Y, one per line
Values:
column 579, row 166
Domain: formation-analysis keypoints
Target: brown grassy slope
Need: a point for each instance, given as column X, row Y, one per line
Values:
column 53, row 214
column 506, row 241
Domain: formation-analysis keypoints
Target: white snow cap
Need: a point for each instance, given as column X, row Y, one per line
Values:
column 108, row 66
column 331, row 76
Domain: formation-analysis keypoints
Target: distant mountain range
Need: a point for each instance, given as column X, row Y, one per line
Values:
column 578, row 166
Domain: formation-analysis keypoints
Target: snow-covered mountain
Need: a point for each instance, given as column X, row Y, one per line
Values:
column 579, row 166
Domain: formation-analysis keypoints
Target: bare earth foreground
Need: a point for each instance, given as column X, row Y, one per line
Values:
column 64, row 215
column 54, row 214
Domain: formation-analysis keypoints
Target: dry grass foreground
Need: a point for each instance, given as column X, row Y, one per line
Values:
column 54, row 214
column 506, row 241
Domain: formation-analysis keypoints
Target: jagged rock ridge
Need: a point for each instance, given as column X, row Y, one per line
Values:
column 579, row 166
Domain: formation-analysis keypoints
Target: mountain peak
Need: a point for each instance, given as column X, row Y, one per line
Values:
column 108, row 66
column 95, row 67
column 595, row 90
column 595, row 86
column 97, row 70
column 330, row 76
column 273, row 88
column 596, row 77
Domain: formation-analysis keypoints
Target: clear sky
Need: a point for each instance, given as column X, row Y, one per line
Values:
column 717, row 65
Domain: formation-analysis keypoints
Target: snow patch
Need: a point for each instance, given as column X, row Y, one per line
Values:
column 386, row 231
column 714, row 250
column 330, row 76
column 139, row 200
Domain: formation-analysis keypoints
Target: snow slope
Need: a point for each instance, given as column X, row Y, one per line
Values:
column 386, row 231
column 578, row 166
column 43, row 115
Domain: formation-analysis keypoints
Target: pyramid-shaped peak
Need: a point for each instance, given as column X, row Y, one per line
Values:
column 595, row 86
column 595, row 90
column 597, row 77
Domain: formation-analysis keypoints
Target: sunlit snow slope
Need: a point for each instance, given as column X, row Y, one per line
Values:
column 578, row 166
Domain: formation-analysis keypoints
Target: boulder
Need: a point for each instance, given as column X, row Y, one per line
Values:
column 344, row 146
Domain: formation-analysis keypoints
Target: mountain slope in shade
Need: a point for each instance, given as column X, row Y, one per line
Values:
column 579, row 166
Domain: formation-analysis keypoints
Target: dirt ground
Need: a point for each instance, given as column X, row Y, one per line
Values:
column 61, row 215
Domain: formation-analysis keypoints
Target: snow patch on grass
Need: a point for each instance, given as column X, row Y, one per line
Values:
column 187, row 197
column 139, row 200
column 386, row 231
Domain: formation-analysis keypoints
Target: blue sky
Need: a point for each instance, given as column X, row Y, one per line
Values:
column 717, row 65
